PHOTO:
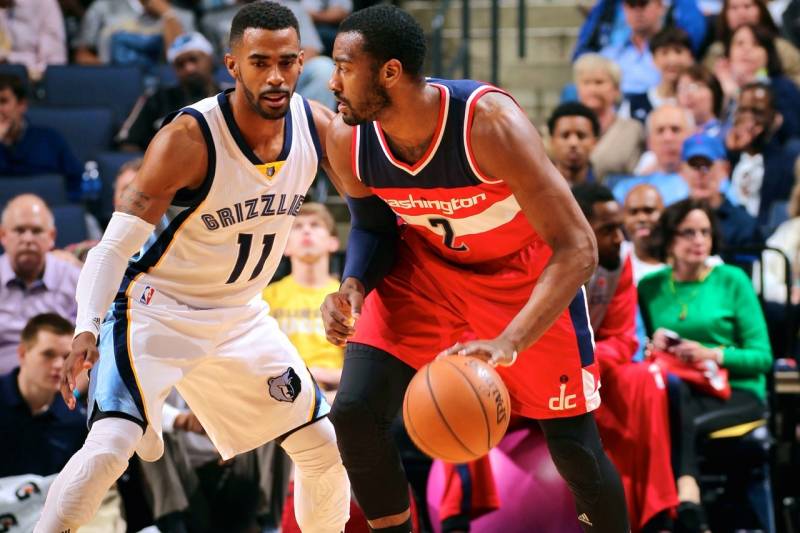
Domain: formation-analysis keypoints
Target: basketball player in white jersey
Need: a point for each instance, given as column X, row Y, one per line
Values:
column 198, row 235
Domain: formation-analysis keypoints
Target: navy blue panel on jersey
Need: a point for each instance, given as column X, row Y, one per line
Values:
column 189, row 197
column 227, row 112
column 312, row 128
column 449, row 167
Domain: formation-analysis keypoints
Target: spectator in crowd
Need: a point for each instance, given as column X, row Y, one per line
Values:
column 763, row 168
column 642, row 208
column 26, row 149
column 751, row 56
column 633, row 419
column 130, row 32
column 73, row 12
column 574, row 130
column 317, row 68
column 32, row 280
column 327, row 14
column 191, row 57
column 294, row 301
column 639, row 72
column 45, row 432
column 787, row 239
column 606, row 25
column 699, row 91
column 35, row 29
column 705, row 167
column 716, row 321
column 672, row 54
column 667, row 128
column 621, row 139
column 737, row 13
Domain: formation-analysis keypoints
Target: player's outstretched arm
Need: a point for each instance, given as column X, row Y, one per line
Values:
column 508, row 147
column 176, row 158
column 372, row 242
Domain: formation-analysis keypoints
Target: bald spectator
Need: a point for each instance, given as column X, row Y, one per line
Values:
column 704, row 168
column 32, row 280
column 667, row 128
column 26, row 149
column 574, row 130
column 130, row 32
column 36, row 33
column 191, row 57
column 642, row 208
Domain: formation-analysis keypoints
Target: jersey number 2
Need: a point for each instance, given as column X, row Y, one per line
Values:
column 245, row 242
column 449, row 234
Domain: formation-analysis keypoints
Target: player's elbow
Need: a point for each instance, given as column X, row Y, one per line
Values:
column 585, row 255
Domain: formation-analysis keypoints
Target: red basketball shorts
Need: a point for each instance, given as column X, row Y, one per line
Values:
column 427, row 304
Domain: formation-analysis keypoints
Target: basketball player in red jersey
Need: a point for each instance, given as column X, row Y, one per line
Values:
column 488, row 259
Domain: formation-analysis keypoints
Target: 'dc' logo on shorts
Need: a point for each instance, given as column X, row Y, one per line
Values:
column 286, row 387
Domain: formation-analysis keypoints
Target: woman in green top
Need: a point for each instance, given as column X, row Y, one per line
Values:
column 715, row 312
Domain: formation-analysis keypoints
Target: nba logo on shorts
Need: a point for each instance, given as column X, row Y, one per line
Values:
column 147, row 295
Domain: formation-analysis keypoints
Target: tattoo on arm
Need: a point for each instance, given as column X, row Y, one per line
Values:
column 134, row 201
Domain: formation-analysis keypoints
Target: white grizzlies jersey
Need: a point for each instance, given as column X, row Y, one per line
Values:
column 219, row 245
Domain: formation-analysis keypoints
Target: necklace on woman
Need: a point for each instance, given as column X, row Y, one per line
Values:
column 684, row 303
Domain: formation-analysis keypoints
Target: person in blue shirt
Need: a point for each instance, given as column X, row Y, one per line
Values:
column 574, row 130
column 28, row 150
column 40, row 433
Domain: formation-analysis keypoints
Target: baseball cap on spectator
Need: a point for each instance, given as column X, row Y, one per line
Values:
column 701, row 145
column 189, row 42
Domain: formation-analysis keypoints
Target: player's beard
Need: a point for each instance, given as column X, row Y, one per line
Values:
column 266, row 113
column 369, row 108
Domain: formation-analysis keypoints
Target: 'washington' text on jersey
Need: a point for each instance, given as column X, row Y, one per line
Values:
column 263, row 206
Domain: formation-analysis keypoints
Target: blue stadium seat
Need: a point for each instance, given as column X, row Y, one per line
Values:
column 116, row 88
column 87, row 131
column 51, row 187
column 166, row 75
column 108, row 163
column 70, row 224
column 223, row 77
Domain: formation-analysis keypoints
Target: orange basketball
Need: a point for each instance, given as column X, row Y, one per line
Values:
column 456, row 408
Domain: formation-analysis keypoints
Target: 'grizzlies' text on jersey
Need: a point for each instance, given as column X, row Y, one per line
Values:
column 465, row 215
column 219, row 245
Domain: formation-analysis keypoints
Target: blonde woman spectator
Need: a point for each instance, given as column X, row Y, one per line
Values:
column 621, row 140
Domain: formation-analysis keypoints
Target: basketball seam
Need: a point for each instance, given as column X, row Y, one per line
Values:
column 441, row 415
column 480, row 402
column 414, row 434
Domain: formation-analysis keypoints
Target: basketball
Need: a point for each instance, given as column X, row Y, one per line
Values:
column 456, row 408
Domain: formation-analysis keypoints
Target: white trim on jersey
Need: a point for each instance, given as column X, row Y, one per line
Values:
column 356, row 152
column 477, row 93
column 442, row 123
column 496, row 215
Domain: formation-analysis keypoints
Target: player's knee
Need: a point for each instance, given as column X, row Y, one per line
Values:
column 322, row 500
column 351, row 418
column 579, row 465
column 97, row 468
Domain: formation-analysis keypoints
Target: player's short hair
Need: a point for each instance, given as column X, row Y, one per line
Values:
column 573, row 109
column 13, row 82
column 316, row 209
column 389, row 33
column 670, row 37
column 591, row 62
column 51, row 322
column 588, row 194
column 262, row 16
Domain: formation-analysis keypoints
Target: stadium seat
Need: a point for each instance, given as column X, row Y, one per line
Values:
column 116, row 88
column 70, row 224
column 166, row 75
column 51, row 187
column 87, row 131
column 223, row 77
column 108, row 164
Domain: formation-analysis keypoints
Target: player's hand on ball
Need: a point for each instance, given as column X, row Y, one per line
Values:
column 81, row 357
column 496, row 352
column 341, row 309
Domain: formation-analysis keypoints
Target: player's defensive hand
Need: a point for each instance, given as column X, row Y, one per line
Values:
column 81, row 357
column 496, row 352
column 341, row 309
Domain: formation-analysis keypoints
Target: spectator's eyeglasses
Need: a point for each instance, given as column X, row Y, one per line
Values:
column 691, row 233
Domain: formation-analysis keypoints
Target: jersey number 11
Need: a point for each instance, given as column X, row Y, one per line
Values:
column 245, row 243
